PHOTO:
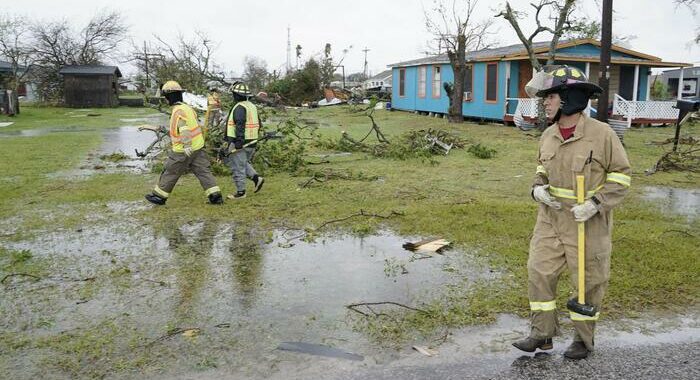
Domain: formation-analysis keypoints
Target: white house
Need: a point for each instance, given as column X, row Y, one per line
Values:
column 380, row 82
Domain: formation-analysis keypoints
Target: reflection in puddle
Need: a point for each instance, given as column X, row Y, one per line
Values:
column 684, row 202
column 241, row 288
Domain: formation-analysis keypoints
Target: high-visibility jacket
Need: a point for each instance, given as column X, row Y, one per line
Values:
column 184, row 129
column 252, row 122
column 594, row 151
column 213, row 102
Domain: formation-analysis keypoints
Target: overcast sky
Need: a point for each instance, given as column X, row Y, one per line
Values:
column 392, row 30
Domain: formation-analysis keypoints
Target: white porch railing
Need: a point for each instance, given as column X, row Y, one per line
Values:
column 646, row 109
column 526, row 106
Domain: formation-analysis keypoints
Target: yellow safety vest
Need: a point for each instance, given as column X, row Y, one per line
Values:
column 213, row 102
column 184, row 128
column 252, row 123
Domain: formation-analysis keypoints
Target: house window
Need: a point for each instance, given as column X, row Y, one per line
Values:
column 492, row 82
column 468, row 83
column 436, row 81
column 402, row 82
column 422, row 77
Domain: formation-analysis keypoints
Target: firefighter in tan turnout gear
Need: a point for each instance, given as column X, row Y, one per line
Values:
column 574, row 145
column 187, row 154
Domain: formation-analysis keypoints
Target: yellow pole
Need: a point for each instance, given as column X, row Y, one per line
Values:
column 580, row 195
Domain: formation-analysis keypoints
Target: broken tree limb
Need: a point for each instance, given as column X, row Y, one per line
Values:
column 361, row 213
column 36, row 278
column 354, row 307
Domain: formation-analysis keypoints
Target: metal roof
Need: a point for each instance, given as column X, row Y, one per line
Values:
column 90, row 70
column 6, row 67
column 473, row 55
column 518, row 52
column 381, row 76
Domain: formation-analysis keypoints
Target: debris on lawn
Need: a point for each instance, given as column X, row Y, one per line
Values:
column 327, row 174
column 686, row 157
column 427, row 245
column 425, row 350
column 318, row 350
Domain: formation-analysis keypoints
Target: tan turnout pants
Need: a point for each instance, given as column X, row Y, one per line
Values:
column 178, row 164
column 553, row 248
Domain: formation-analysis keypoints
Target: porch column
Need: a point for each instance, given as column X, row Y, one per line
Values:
column 588, row 75
column 507, row 88
column 635, row 88
column 648, row 83
column 680, row 84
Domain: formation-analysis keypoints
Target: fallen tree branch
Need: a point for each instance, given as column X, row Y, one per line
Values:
column 354, row 307
column 37, row 278
column 361, row 213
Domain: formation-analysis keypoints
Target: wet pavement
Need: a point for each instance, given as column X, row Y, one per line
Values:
column 685, row 202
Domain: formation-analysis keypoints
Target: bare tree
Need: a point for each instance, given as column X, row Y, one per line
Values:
column 455, row 29
column 692, row 6
column 16, row 48
column 255, row 73
column 189, row 61
column 559, row 12
column 100, row 37
column 57, row 45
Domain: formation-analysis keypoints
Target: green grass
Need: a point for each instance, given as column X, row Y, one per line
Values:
column 482, row 205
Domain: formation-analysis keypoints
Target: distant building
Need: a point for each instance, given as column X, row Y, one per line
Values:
column 27, row 89
column 691, row 77
column 495, row 80
column 379, row 83
column 91, row 85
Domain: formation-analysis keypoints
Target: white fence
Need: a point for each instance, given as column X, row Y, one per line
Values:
column 526, row 106
column 647, row 109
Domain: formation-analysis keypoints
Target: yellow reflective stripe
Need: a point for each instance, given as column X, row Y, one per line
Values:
column 543, row 306
column 620, row 178
column 161, row 192
column 570, row 194
column 541, row 170
column 581, row 317
column 212, row 190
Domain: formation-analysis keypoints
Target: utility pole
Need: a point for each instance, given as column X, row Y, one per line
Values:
column 145, row 55
column 364, row 71
column 604, row 71
column 289, row 50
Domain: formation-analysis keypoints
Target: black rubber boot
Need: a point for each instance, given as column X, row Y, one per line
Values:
column 577, row 350
column 216, row 198
column 258, row 181
column 155, row 199
column 238, row 195
column 531, row 344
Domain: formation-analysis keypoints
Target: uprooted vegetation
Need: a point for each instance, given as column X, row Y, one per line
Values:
column 685, row 156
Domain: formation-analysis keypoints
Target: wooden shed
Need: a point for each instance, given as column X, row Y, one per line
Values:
column 91, row 85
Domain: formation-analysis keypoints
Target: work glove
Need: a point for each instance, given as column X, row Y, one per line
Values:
column 541, row 195
column 584, row 211
column 238, row 144
column 188, row 151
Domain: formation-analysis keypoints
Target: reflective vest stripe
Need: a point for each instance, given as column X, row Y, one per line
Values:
column 581, row 317
column 161, row 192
column 620, row 178
column 570, row 194
column 541, row 170
column 212, row 190
column 185, row 128
column 543, row 306
column 252, row 122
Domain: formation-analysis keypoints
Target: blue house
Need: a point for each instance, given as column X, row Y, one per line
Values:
column 495, row 80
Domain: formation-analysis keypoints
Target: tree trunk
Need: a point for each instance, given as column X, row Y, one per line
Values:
column 457, row 60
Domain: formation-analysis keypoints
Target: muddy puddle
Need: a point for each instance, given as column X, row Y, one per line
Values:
column 684, row 202
column 238, row 293
column 116, row 154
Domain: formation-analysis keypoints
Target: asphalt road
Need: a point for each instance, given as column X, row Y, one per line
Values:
column 668, row 361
